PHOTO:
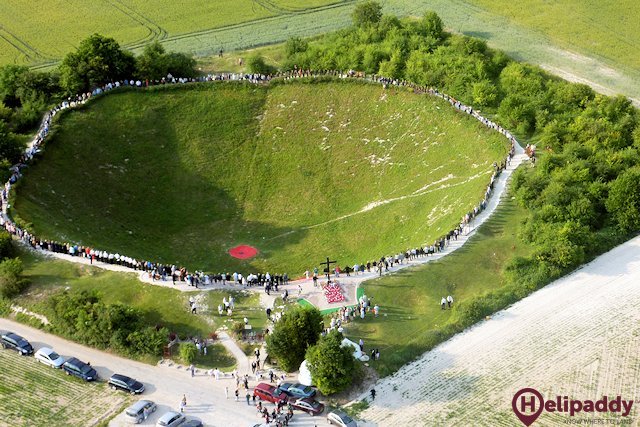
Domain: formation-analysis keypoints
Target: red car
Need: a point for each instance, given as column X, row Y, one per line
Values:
column 308, row 405
column 264, row 391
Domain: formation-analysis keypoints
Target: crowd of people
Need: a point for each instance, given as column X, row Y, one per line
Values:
column 160, row 271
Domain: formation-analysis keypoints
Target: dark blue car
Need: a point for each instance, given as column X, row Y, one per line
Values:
column 80, row 369
column 297, row 390
column 17, row 343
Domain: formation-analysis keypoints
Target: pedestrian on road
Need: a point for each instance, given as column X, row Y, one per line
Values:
column 183, row 402
column 248, row 395
column 361, row 343
column 377, row 354
column 193, row 370
column 253, row 367
column 373, row 394
column 237, row 394
column 443, row 303
column 226, row 392
column 449, row 300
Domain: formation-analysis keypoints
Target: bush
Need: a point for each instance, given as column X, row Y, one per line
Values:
column 295, row 45
column 6, row 245
column 11, row 283
column 237, row 329
column 256, row 65
column 150, row 341
column 624, row 200
column 188, row 352
column 5, row 306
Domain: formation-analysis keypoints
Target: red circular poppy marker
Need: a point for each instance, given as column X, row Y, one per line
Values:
column 243, row 252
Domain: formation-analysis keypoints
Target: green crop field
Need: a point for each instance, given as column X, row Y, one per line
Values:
column 603, row 30
column 43, row 35
column 300, row 171
column 34, row 394
column 586, row 41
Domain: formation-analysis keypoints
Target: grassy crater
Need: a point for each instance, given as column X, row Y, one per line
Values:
column 299, row 170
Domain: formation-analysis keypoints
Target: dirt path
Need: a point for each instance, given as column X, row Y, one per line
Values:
column 579, row 336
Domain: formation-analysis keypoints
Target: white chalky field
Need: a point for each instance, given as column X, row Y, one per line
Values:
column 578, row 337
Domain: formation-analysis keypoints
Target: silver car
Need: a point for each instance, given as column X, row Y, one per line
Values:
column 339, row 418
column 171, row 419
column 139, row 411
column 49, row 357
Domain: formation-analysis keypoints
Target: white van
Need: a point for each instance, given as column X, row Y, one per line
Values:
column 139, row 411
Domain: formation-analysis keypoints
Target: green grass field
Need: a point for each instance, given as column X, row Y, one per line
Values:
column 34, row 394
column 300, row 171
column 411, row 320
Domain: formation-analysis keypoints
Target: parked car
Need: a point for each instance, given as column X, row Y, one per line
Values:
column 122, row 382
column 171, row 419
column 310, row 406
column 17, row 343
column 80, row 369
column 297, row 390
column 139, row 411
column 49, row 357
column 341, row 419
column 192, row 423
column 269, row 393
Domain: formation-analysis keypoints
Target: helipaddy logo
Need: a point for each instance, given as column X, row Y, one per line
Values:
column 528, row 404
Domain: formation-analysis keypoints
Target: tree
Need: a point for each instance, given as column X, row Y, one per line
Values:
column 188, row 352
column 433, row 25
column 97, row 60
column 151, row 63
column 623, row 202
column 10, row 148
column 332, row 366
column 297, row 330
column 180, row 65
column 367, row 14
column 6, row 245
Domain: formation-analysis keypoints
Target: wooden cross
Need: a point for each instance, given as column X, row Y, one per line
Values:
column 328, row 268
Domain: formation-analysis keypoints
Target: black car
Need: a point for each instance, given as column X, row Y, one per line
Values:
column 125, row 383
column 80, row 369
column 17, row 343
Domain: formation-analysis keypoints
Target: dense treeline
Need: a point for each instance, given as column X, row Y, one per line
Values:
column 583, row 195
column 84, row 318
column 26, row 94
